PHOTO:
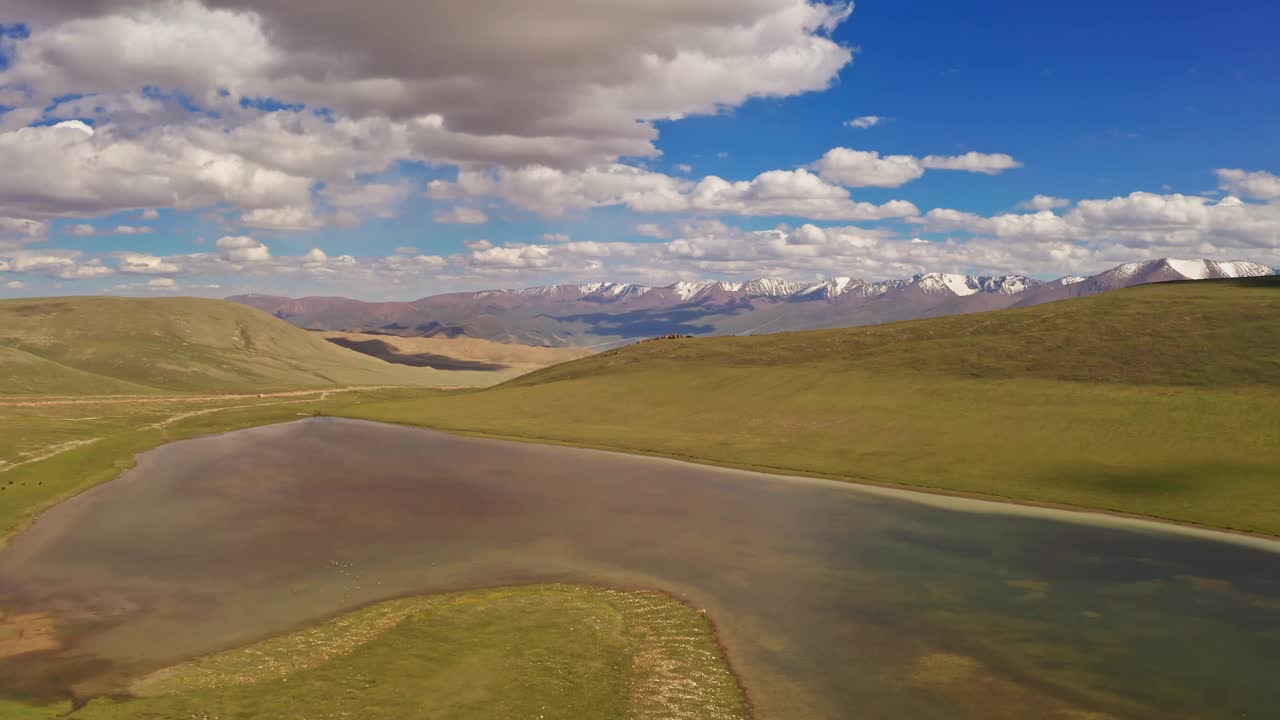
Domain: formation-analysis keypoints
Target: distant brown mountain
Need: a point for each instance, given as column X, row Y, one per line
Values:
column 599, row 315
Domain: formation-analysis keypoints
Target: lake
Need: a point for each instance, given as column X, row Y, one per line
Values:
column 832, row 600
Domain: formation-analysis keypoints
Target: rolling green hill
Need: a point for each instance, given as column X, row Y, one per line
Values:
column 1160, row 400
column 110, row 345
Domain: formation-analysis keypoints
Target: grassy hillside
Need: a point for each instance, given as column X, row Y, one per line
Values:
column 524, row 357
column 543, row 651
column 1204, row 333
column 108, row 345
column 1161, row 400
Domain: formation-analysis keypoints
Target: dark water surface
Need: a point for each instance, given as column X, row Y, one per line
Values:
column 833, row 601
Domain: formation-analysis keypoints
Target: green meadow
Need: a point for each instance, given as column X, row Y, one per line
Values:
column 547, row 652
column 1161, row 400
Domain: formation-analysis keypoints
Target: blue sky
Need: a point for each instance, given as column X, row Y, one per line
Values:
column 254, row 150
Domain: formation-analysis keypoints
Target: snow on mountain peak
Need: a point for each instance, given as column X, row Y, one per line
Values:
column 1005, row 284
column 934, row 283
column 1241, row 268
column 616, row 290
column 931, row 283
column 685, row 290
column 771, row 287
column 1189, row 269
column 829, row 289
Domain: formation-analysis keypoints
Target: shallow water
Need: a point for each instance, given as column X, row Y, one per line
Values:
column 833, row 601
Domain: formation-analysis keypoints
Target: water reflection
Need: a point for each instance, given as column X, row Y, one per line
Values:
column 833, row 602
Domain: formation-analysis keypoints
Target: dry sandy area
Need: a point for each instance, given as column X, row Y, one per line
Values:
column 525, row 357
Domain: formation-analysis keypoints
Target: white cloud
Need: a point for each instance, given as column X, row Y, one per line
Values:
column 75, row 125
column 285, row 218
column 22, row 230
column 862, row 168
column 790, row 192
column 569, row 81
column 14, row 285
column 652, row 230
column 462, row 215
column 133, row 230
column 552, row 192
column 1135, row 226
column 866, row 121
column 556, row 237
column 867, row 168
column 83, row 230
column 59, row 264
column 1045, row 202
column 1261, row 185
column 140, row 264
column 71, row 173
column 162, row 283
column 149, row 214
column 242, row 249
column 974, row 162
column 352, row 201
column 528, row 256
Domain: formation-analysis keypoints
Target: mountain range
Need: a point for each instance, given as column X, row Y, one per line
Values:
column 604, row 314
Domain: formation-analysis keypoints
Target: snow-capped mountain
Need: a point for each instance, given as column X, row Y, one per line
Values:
column 607, row 313
column 963, row 285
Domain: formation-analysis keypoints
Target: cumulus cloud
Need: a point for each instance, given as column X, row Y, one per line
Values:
column 21, row 230
column 1044, row 202
column 139, row 264
column 1260, row 185
column 652, row 230
column 974, row 162
column 862, row 168
column 1137, row 225
column 864, row 122
column 14, row 285
column 515, row 91
column 58, row 264
column 867, row 168
column 285, row 218
column 552, row 192
column 133, row 230
column 462, row 215
column 353, row 201
column 71, row 173
column 242, row 249
column 790, row 192
column 556, row 237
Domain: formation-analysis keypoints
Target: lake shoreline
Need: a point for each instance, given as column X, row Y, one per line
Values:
column 958, row 500
column 740, row 545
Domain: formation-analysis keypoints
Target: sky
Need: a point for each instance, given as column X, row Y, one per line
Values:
column 392, row 150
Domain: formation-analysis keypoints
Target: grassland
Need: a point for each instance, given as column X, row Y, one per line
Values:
column 522, row 357
column 527, row 652
column 104, row 345
column 1161, row 400
column 88, row 382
